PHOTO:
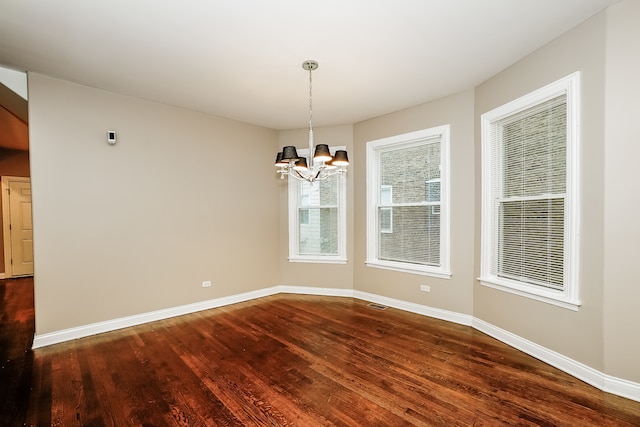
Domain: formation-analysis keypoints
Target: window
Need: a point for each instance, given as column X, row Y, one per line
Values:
column 317, row 219
column 304, row 213
column 433, row 195
column 386, row 212
column 529, row 194
column 304, row 216
column 408, row 202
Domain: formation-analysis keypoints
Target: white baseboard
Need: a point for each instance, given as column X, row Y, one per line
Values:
column 138, row 319
column 621, row 387
column 570, row 366
column 304, row 290
column 601, row 381
column 617, row 386
column 437, row 313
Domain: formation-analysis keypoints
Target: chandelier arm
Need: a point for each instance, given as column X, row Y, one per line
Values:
column 330, row 173
column 297, row 175
column 321, row 174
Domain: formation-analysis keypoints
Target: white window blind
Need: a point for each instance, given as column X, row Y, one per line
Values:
column 416, row 230
column 529, row 189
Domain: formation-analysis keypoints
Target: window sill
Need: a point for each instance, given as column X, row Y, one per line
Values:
column 319, row 260
column 547, row 296
column 408, row 268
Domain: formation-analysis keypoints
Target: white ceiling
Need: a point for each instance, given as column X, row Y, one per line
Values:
column 242, row 59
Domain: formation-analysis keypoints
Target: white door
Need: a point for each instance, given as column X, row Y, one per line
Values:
column 20, row 228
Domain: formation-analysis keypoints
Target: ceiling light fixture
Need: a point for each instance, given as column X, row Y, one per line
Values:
column 319, row 167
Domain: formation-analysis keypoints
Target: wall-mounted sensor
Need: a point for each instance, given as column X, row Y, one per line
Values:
column 111, row 137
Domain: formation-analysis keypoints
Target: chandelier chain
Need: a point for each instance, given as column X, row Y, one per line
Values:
column 310, row 99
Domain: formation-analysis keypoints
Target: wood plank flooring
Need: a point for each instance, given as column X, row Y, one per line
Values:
column 16, row 358
column 291, row 360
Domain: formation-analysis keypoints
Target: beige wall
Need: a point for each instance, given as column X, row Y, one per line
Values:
column 136, row 227
column 455, row 294
column 622, row 193
column 577, row 335
column 314, row 274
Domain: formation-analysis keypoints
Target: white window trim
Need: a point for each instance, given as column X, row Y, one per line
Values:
column 373, row 178
column 569, row 296
column 294, row 230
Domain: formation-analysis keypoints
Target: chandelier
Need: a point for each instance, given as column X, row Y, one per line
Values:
column 319, row 167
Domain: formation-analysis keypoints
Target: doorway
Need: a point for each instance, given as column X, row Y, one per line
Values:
column 14, row 166
column 17, row 226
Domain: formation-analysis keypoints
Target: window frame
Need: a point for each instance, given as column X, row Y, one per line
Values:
column 294, row 220
column 408, row 140
column 568, row 297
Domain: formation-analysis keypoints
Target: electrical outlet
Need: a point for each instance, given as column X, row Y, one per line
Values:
column 425, row 288
column 206, row 284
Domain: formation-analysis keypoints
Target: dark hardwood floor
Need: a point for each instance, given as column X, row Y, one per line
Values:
column 287, row 360
column 16, row 358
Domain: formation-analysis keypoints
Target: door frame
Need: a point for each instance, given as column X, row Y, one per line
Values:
column 6, row 221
